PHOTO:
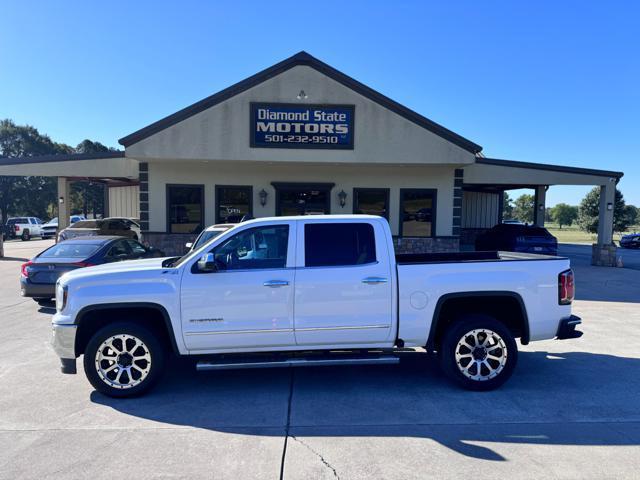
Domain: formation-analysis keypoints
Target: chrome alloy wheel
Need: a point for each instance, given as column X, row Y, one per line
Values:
column 481, row 354
column 123, row 361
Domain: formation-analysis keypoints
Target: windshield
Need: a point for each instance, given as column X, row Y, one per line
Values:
column 71, row 250
column 87, row 224
column 205, row 237
column 53, row 220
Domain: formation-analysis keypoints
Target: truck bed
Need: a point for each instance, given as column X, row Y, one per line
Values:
column 456, row 257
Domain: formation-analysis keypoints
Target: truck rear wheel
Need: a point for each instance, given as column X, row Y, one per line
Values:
column 123, row 360
column 25, row 236
column 478, row 352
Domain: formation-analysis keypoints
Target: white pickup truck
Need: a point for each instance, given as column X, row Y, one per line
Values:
column 314, row 290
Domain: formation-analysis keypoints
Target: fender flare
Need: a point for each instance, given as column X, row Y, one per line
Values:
column 149, row 305
column 487, row 293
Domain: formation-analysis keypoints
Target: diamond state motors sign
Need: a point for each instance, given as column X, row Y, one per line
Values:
column 284, row 125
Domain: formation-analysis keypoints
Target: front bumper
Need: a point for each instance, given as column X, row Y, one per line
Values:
column 63, row 341
column 567, row 328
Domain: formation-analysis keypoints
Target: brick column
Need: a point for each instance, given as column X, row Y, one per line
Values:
column 458, row 180
column 143, row 174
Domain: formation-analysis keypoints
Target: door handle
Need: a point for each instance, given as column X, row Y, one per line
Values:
column 374, row 280
column 276, row 283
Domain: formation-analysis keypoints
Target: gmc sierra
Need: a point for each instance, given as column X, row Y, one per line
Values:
column 313, row 290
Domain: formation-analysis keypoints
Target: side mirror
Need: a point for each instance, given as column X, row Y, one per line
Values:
column 188, row 245
column 207, row 263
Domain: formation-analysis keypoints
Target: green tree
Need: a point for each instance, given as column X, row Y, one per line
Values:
column 523, row 208
column 632, row 214
column 589, row 209
column 507, row 206
column 564, row 214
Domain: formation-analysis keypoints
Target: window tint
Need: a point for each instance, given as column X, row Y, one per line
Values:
column 136, row 248
column 260, row 247
column 371, row 201
column 115, row 225
column 71, row 250
column 13, row 221
column 185, row 208
column 333, row 244
column 233, row 203
column 417, row 212
column 119, row 249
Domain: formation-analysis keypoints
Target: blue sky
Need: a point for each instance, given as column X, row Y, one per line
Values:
column 550, row 82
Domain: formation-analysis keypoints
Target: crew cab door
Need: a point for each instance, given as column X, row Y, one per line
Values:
column 248, row 301
column 344, row 287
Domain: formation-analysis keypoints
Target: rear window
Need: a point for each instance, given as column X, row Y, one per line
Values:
column 87, row 224
column 71, row 250
column 13, row 221
column 336, row 244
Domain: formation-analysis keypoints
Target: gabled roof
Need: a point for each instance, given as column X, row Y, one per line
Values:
column 68, row 157
column 301, row 58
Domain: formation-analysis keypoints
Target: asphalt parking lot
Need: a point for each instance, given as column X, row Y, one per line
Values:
column 572, row 409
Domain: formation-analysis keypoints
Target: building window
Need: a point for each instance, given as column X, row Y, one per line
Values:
column 338, row 244
column 233, row 202
column 417, row 212
column 371, row 201
column 185, row 208
column 302, row 198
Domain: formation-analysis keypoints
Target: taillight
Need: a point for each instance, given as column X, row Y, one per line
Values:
column 16, row 227
column 83, row 264
column 566, row 288
column 23, row 269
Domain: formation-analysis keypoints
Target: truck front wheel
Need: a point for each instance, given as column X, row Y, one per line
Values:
column 478, row 352
column 123, row 360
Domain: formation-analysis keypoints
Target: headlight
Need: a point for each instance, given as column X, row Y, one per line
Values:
column 61, row 297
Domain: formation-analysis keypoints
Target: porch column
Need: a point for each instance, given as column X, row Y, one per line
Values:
column 604, row 252
column 64, row 200
column 540, row 205
column 105, row 210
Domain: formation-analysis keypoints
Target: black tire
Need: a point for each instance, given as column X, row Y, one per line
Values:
column 453, row 367
column 26, row 236
column 43, row 302
column 154, row 368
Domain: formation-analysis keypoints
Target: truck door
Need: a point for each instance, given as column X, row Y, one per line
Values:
column 248, row 301
column 343, row 284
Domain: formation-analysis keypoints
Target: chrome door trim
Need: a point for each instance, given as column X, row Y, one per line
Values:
column 358, row 327
column 228, row 332
column 276, row 283
column 374, row 280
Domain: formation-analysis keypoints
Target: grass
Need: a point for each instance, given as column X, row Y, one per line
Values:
column 573, row 234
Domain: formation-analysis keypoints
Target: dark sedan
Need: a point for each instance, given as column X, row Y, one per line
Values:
column 518, row 238
column 39, row 275
column 630, row 241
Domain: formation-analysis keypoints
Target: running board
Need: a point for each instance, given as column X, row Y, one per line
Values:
column 279, row 362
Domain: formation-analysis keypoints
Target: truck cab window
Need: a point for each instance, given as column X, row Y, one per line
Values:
column 260, row 247
column 338, row 244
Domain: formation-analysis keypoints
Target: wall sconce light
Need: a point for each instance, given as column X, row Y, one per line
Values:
column 263, row 197
column 541, row 207
column 342, row 196
column 61, row 200
column 609, row 206
column 302, row 95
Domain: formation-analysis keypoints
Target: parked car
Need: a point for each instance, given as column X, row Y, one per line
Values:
column 25, row 227
column 50, row 228
column 309, row 290
column 513, row 237
column 208, row 234
column 122, row 227
column 39, row 275
column 631, row 240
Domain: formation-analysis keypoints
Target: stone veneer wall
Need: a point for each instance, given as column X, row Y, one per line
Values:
column 173, row 243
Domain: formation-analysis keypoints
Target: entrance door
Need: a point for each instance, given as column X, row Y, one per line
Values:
column 303, row 198
column 248, row 301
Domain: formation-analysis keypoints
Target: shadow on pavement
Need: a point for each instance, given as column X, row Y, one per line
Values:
column 13, row 259
column 591, row 392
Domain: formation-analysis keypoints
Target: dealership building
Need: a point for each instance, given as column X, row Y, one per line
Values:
column 302, row 138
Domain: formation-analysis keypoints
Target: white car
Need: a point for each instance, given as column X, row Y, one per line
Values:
column 25, row 227
column 208, row 234
column 309, row 290
column 50, row 228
